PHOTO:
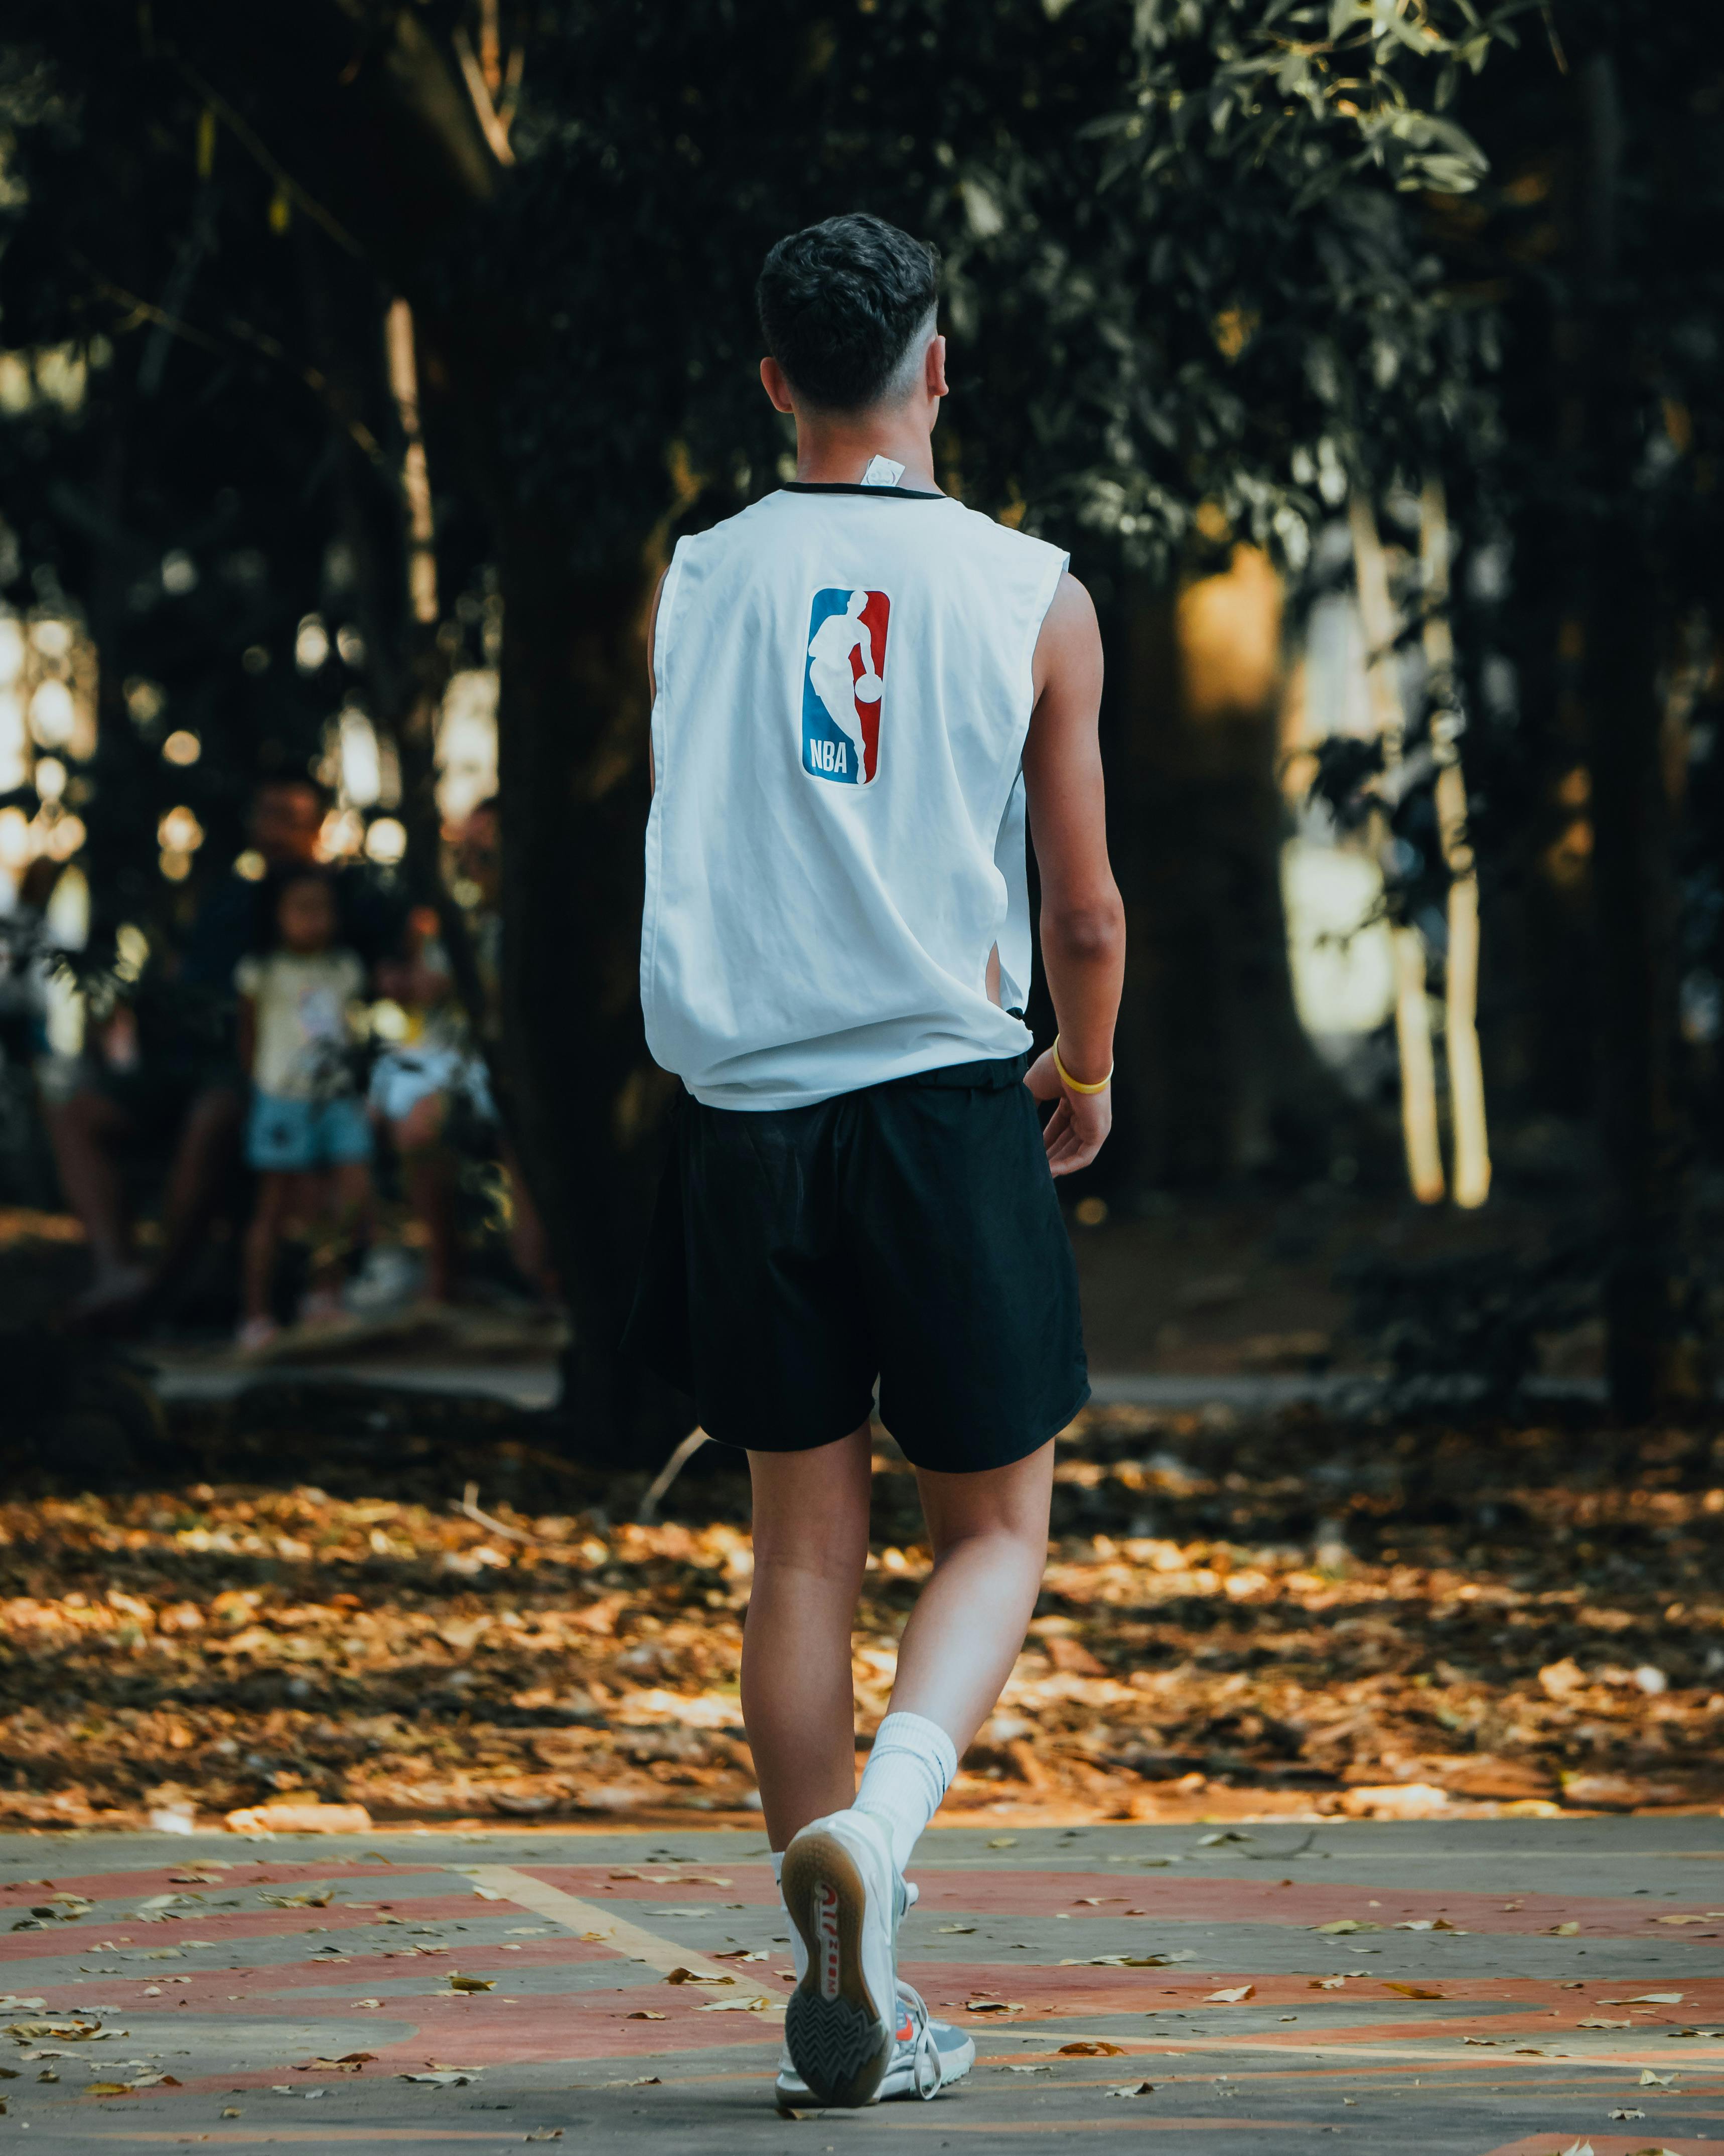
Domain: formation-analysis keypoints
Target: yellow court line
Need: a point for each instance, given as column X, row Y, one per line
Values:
column 632, row 1941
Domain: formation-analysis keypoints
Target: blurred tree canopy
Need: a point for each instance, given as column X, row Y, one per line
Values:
column 1588, row 621
column 1192, row 297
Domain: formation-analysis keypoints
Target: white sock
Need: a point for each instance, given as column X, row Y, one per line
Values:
column 908, row 1771
column 799, row 1950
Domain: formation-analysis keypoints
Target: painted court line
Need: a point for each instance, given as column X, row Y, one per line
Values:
column 632, row 1941
column 919, row 2121
column 1603, row 2144
column 331, row 2135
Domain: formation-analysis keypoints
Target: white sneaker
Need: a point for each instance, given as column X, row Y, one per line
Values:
column 844, row 1896
column 927, row 2056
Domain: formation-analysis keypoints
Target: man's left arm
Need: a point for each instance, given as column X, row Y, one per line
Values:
column 652, row 637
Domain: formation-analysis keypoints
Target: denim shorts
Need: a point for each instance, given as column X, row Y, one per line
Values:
column 290, row 1136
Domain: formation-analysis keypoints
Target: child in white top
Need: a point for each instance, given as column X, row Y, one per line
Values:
column 307, row 1135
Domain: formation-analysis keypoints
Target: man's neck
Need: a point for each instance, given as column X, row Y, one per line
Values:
column 838, row 451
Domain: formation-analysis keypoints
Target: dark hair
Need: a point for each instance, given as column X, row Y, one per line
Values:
column 275, row 886
column 839, row 304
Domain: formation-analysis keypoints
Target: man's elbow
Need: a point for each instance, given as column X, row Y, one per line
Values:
column 1094, row 934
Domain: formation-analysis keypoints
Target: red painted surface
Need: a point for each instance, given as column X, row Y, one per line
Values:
column 750, row 1883
column 1178, row 1898
column 1170, row 1896
column 426, row 2022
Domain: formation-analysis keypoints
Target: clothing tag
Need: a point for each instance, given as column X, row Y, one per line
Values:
column 882, row 472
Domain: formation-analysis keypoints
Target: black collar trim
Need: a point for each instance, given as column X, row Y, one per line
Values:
column 855, row 486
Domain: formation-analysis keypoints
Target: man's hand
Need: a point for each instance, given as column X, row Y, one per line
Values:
column 1078, row 1127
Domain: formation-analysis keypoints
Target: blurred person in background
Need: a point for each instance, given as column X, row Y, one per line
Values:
column 440, row 1072
column 163, row 1070
column 418, row 1084
column 307, row 1134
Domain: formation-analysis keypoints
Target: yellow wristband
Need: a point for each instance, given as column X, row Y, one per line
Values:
column 1076, row 1085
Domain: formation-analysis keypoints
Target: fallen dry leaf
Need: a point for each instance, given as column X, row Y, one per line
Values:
column 644, row 2016
column 471, row 1983
column 299, row 1819
column 1133, row 2088
column 1414, row 1991
column 239, row 1590
column 1092, row 2049
column 1232, row 1996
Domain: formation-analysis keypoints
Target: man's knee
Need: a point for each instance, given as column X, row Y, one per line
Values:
column 828, row 1548
column 1006, row 1505
column 85, row 1115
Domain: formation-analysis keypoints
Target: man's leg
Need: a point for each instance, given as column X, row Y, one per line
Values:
column 989, row 1531
column 84, row 1129
column 799, row 1700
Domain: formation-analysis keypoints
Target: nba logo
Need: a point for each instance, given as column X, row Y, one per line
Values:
column 843, row 682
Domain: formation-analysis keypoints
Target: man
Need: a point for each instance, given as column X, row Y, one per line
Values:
column 836, row 971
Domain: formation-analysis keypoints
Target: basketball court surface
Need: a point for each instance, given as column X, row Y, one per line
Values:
column 1504, row 1987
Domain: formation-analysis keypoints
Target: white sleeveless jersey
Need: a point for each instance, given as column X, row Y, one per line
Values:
column 836, row 836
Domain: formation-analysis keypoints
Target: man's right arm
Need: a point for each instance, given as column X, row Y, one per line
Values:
column 1083, row 922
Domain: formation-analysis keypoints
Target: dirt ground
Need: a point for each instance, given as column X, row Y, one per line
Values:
column 1291, row 1618
column 1203, row 1285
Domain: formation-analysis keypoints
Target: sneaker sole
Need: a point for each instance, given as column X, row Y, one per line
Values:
column 840, row 2042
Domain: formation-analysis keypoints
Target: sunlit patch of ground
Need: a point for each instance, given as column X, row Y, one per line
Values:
column 1283, row 1621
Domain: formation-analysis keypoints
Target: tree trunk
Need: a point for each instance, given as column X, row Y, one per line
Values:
column 1216, row 1078
column 590, row 1105
column 1634, row 880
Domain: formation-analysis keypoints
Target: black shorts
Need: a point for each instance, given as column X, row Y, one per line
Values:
column 909, row 1231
